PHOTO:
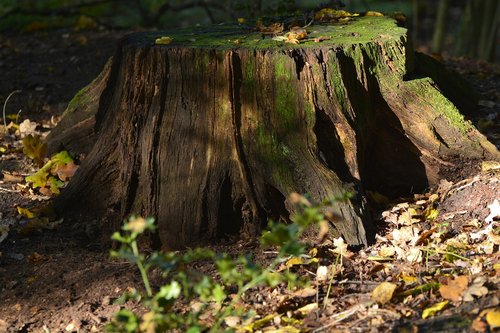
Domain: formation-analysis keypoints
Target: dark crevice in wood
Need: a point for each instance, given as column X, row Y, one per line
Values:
column 204, row 228
column 356, row 92
column 299, row 62
column 330, row 150
column 276, row 200
column 155, row 151
column 236, row 75
column 321, row 62
column 230, row 212
column 390, row 163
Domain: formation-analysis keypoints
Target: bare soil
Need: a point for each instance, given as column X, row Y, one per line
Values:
column 62, row 280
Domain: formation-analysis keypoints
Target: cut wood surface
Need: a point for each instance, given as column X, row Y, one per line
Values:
column 211, row 133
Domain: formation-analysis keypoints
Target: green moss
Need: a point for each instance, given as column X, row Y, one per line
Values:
column 285, row 99
column 248, row 72
column 310, row 114
column 357, row 31
column 335, row 78
column 434, row 98
column 275, row 156
column 80, row 98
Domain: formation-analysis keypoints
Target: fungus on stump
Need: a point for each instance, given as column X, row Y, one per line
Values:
column 210, row 133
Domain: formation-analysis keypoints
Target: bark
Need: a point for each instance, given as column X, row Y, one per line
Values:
column 210, row 136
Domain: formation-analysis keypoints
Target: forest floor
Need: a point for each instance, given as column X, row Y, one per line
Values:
column 57, row 278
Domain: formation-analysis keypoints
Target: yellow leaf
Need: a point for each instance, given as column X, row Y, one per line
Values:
column 383, row 292
column 431, row 311
column 373, row 13
column 431, row 214
column 408, row 279
column 306, row 309
column 241, row 20
column 165, row 40
column 493, row 318
column 329, row 14
column 285, row 329
column 259, row 323
column 25, row 212
column 294, row 261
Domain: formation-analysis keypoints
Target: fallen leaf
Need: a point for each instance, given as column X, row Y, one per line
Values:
column 25, row 212
column 408, row 279
column 232, row 321
column 383, row 292
column 373, row 13
column 431, row 311
column 490, row 165
column 322, row 273
column 27, row 127
column 494, row 211
column 455, row 288
column 11, row 178
column 34, row 148
column 479, row 325
column 66, row 171
column 321, row 38
column 272, row 29
column 164, row 40
column 329, row 14
column 306, row 309
column 305, row 292
column 292, row 41
column 493, row 318
column 475, row 289
column 297, row 33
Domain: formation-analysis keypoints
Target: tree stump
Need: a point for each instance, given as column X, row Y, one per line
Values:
column 210, row 133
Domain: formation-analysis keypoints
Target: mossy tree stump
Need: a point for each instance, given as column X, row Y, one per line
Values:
column 210, row 133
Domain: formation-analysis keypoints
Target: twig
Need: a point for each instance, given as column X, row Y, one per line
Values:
column 5, row 105
column 8, row 191
column 338, row 317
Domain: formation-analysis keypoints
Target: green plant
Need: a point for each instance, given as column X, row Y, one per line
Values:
column 215, row 297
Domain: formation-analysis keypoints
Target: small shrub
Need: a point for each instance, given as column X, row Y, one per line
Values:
column 210, row 295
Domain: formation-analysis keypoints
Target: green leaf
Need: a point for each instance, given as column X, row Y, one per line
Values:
column 54, row 184
column 170, row 291
column 39, row 178
column 219, row 294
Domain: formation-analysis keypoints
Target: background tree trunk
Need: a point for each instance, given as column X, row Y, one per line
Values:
column 211, row 133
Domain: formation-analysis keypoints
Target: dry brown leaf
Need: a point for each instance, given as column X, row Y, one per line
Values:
column 11, row 177
column 66, row 171
column 292, row 41
column 272, row 29
column 475, row 289
column 305, row 292
column 383, row 292
column 321, row 38
column 297, row 33
column 455, row 288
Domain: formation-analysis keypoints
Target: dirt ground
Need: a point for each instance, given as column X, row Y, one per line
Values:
column 60, row 279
